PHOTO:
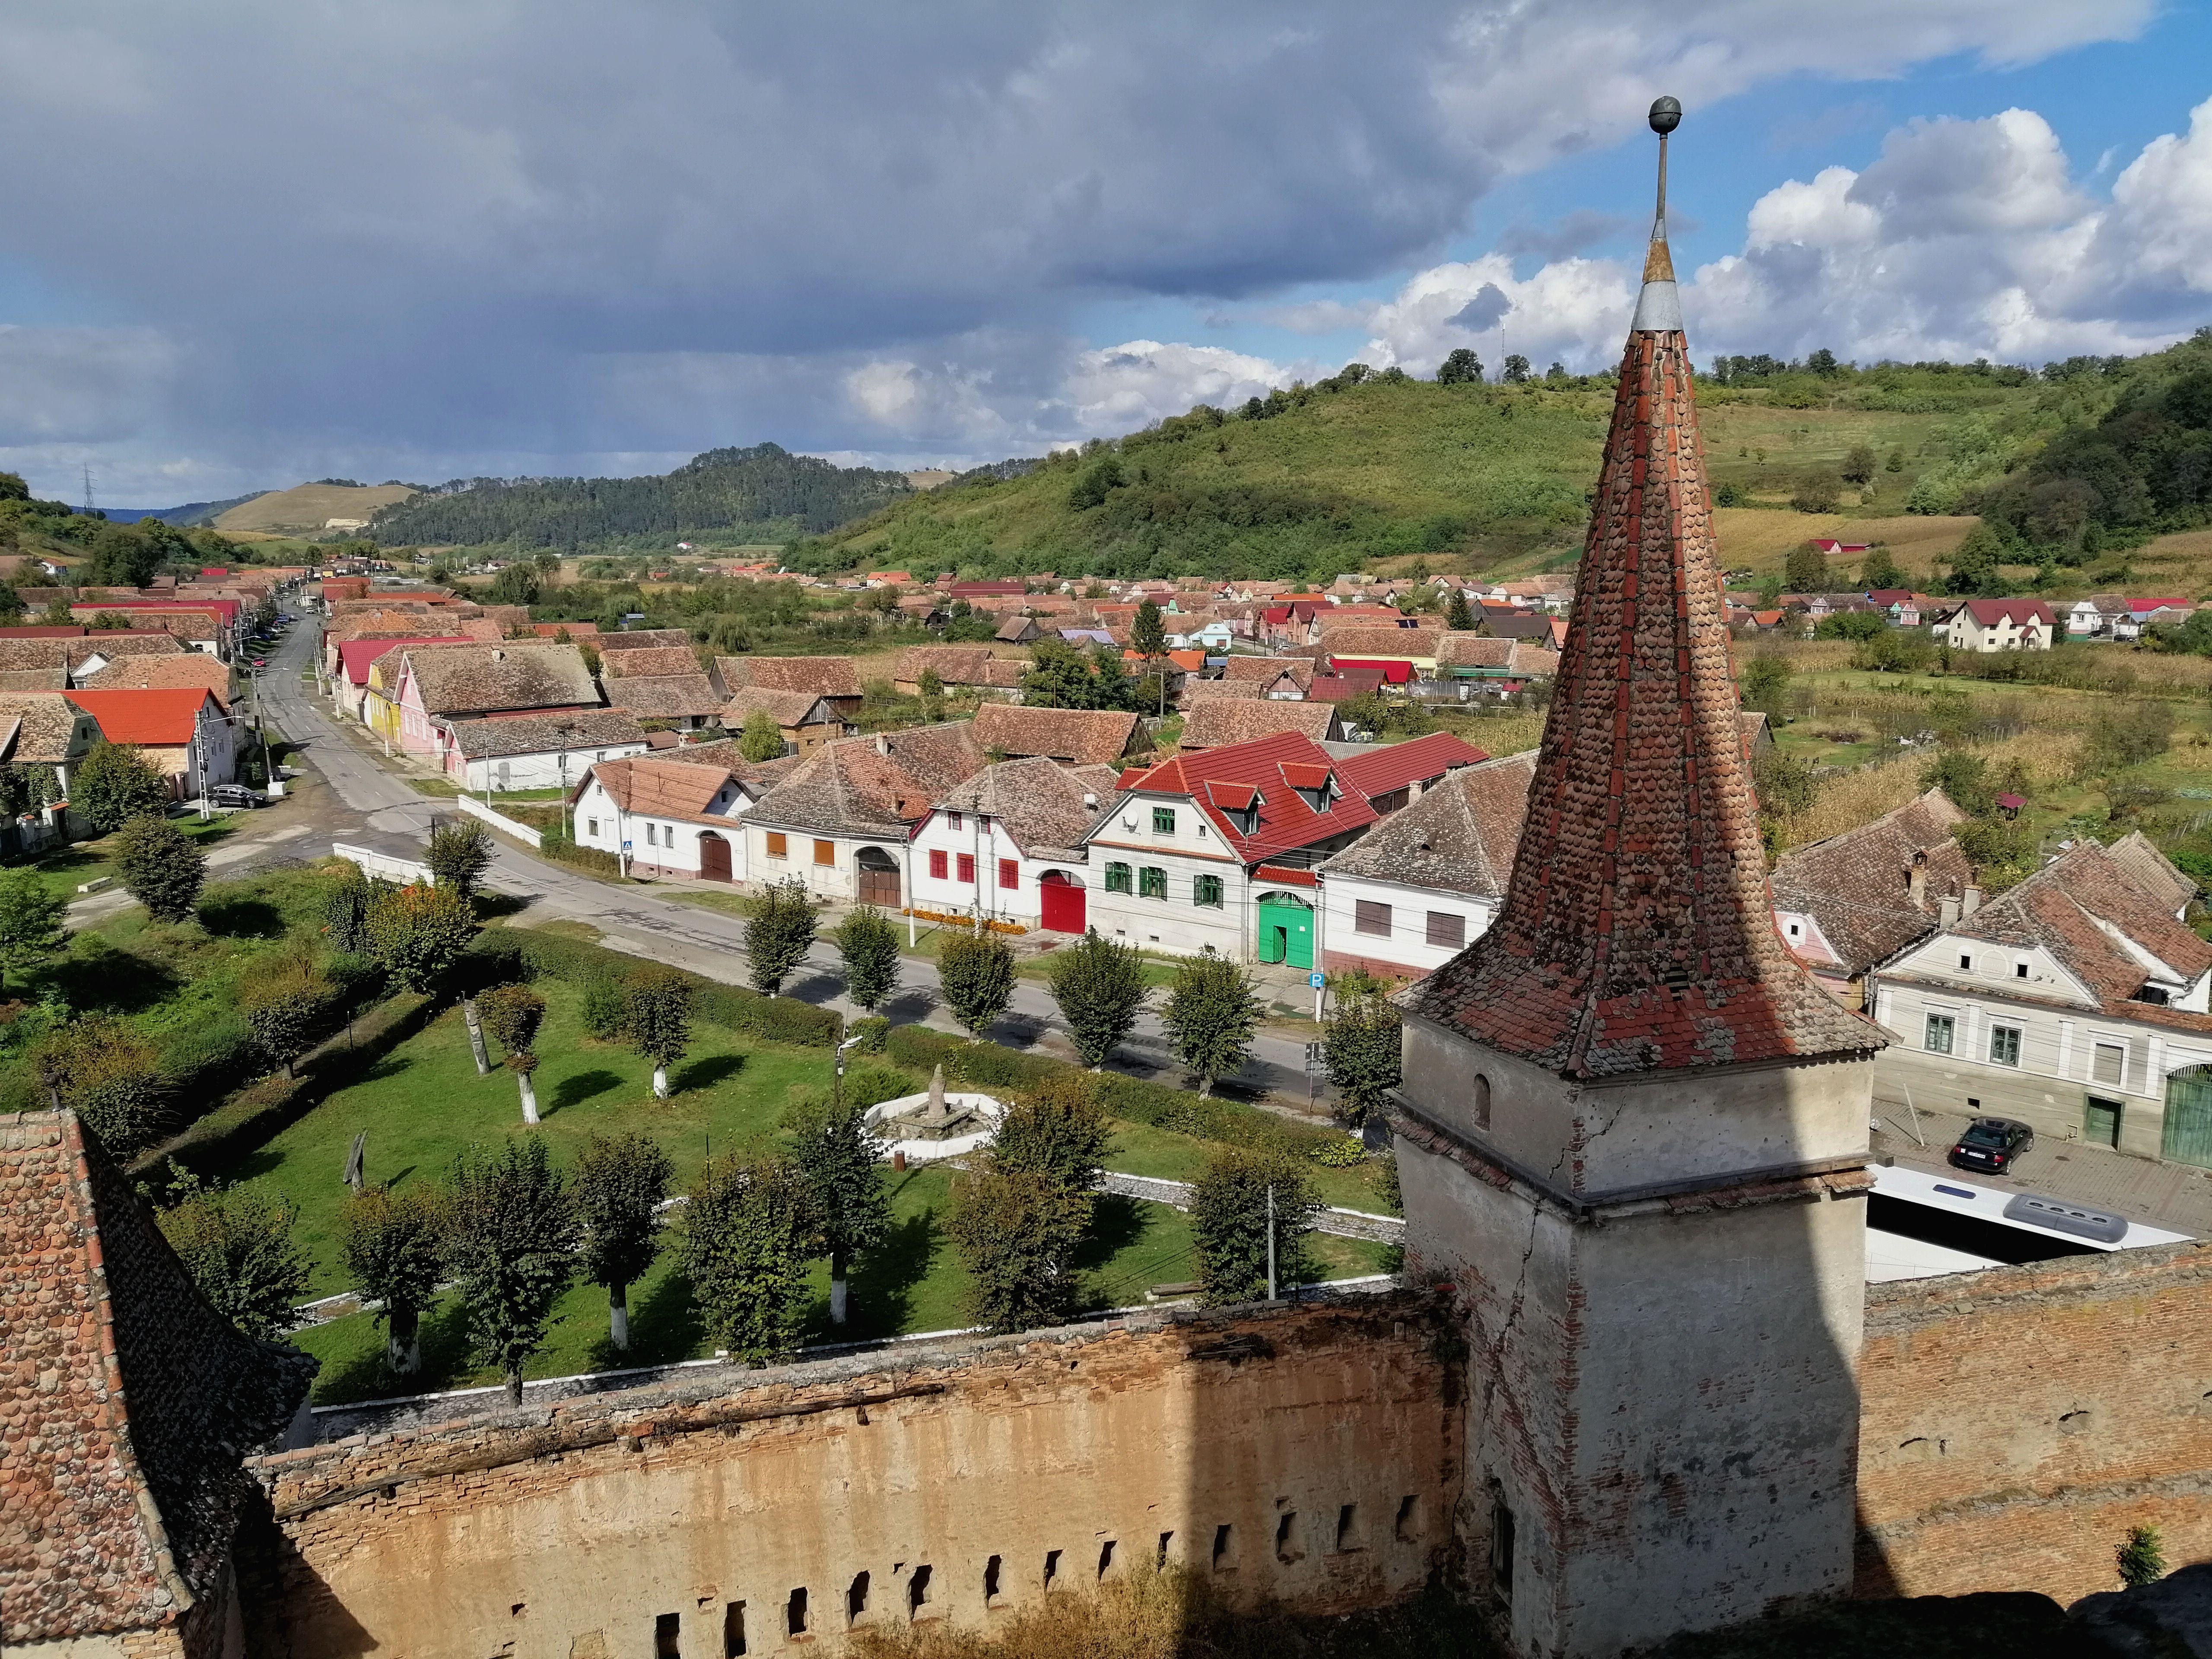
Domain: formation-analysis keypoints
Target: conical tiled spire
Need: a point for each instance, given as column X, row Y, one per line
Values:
column 1637, row 934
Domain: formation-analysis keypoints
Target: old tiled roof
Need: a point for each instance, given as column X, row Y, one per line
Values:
column 63, row 651
column 130, row 1403
column 1857, row 887
column 642, row 639
column 1217, row 723
column 545, row 734
column 956, row 664
column 668, row 786
column 182, row 669
column 1221, row 781
column 460, row 680
column 2152, row 871
column 1038, row 801
column 784, row 707
column 1014, row 630
column 1637, row 934
column 47, row 726
column 1081, row 737
column 666, row 696
column 1196, row 690
column 1382, row 644
column 2067, row 906
column 653, row 662
column 874, row 786
column 1267, row 669
column 826, row 677
column 1004, row 673
column 1512, row 656
column 357, row 656
column 114, row 643
column 36, row 679
column 1458, row 837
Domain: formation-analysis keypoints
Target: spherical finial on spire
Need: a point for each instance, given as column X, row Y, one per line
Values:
column 1666, row 115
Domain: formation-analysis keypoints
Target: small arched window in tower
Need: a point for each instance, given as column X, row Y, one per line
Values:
column 1482, row 1101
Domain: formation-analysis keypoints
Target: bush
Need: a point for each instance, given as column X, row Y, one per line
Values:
column 114, row 784
column 161, row 866
column 1339, row 1152
column 1228, row 1209
column 605, row 1009
column 237, row 1245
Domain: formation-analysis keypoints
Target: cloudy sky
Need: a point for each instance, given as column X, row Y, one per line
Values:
column 246, row 242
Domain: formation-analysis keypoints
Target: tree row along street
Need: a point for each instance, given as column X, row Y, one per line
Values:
column 383, row 810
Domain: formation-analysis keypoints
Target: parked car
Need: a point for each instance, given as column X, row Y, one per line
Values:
column 1995, row 1144
column 234, row 795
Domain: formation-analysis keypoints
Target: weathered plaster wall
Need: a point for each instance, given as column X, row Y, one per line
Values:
column 2016, row 1422
column 1330, row 1429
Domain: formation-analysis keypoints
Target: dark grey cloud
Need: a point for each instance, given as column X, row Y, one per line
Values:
column 414, row 236
column 1484, row 311
column 1577, row 233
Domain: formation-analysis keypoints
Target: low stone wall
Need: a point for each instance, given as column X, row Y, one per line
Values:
column 1307, row 1453
column 2015, row 1423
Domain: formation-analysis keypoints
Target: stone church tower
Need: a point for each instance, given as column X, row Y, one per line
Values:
column 1632, row 1130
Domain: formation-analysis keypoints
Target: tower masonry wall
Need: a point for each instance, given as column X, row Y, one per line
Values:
column 1308, row 1454
column 2016, row 1422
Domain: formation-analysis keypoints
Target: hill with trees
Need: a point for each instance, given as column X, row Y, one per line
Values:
column 765, row 492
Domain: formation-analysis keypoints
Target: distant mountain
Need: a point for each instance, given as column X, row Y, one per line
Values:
column 312, row 509
column 190, row 516
column 766, row 492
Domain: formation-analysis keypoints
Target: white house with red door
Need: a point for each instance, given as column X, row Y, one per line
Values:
column 1006, row 845
column 668, row 816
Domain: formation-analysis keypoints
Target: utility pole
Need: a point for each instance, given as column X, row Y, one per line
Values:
column 1271, row 1241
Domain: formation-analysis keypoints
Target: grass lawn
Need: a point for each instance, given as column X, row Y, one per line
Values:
column 65, row 869
column 447, row 789
column 1142, row 1149
column 916, row 1284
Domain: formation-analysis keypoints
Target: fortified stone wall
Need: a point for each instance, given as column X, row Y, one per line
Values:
column 2016, row 1422
column 1309, row 1454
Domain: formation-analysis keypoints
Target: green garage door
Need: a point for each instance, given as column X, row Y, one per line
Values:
column 1286, row 930
column 2188, row 1138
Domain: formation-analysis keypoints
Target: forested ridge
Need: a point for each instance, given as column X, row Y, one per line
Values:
column 764, row 490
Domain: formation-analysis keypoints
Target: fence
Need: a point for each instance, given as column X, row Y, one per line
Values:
column 387, row 865
column 499, row 821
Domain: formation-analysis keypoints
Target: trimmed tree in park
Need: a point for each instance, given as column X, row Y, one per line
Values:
column 416, row 933
column 1099, row 985
column 834, row 1153
column 161, row 867
column 1058, row 1130
column 33, row 922
column 236, row 1243
column 1211, row 1015
column 1228, row 1209
column 748, row 1237
column 658, row 1021
column 869, row 944
column 394, row 1247
column 512, row 1013
column 109, row 1075
column 459, row 854
column 1359, row 1045
column 284, row 997
column 975, row 971
column 512, row 1245
column 761, row 738
column 1017, row 1232
column 779, row 935
column 114, row 784
column 620, row 1183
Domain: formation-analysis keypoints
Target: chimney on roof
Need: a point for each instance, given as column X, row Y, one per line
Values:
column 1947, row 911
column 1973, row 902
column 1916, row 883
column 882, row 744
column 1089, row 802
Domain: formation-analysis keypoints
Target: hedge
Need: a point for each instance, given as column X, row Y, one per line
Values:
column 501, row 953
column 986, row 1066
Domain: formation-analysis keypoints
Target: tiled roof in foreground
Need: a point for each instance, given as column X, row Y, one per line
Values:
column 1637, row 935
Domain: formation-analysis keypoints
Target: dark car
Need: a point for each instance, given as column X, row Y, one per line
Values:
column 1995, row 1144
column 233, row 794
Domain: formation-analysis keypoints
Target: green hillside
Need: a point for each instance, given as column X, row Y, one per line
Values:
column 763, row 494
column 1358, row 470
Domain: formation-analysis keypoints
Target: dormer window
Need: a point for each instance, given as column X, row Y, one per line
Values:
column 2156, row 995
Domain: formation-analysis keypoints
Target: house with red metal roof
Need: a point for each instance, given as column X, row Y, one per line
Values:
column 1218, row 849
column 183, row 732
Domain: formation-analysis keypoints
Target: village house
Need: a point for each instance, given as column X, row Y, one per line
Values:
column 1005, row 844
column 1075, row 736
column 1987, row 625
column 837, row 679
column 1496, row 667
column 1856, row 900
column 680, row 703
column 1223, row 723
column 953, row 665
column 1002, row 679
column 1219, row 849
column 43, row 730
column 648, row 662
column 349, row 681
column 2075, row 1002
column 170, row 672
column 1018, row 630
column 534, row 751
column 431, row 686
column 1283, row 680
column 1414, row 890
column 805, row 718
column 673, row 816
column 183, row 734
column 642, row 638
column 839, row 821
column 1196, row 690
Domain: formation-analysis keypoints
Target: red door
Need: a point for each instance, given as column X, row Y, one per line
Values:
column 1062, row 900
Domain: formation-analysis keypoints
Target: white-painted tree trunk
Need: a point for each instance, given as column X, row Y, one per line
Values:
column 529, row 1098
column 618, row 1316
column 475, row 1036
column 403, row 1343
column 839, row 1298
column 661, row 1083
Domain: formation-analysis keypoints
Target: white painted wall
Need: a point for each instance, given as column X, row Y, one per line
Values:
column 554, row 769
column 985, row 841
column 1406, row 942
column 661, row 845
column 1187, row 850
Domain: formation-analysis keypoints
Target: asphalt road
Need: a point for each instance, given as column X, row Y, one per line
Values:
column 374, row 807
